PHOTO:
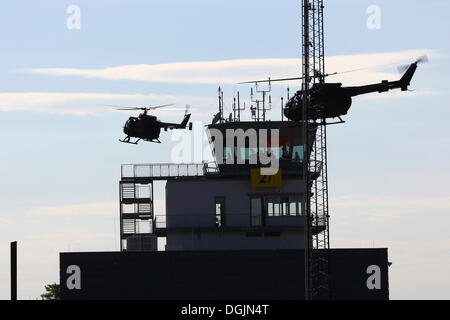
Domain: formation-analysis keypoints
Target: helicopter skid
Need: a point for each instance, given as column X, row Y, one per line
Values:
column 127, row 140
column 153, row 140
column 336, row 122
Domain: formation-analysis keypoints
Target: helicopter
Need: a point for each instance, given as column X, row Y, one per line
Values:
column 147, row 127
column 332, row 100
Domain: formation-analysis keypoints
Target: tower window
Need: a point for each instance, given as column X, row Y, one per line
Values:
column 283, row 206
column 256, row 211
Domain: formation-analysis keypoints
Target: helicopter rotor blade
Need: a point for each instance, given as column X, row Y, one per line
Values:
column 137, row 108
column 423, row 59
column 317, row 75
column 402, row 69
column 128, row 109
column 272, row 80
column 122, row 107
column 157, row 107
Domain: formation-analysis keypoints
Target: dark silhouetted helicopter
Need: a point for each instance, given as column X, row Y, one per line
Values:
column 148, row 127
column 332, row 100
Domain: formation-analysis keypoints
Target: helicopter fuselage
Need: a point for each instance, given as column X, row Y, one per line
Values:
column 331, row 100
column 148, row 127
column 145, row 127
column 327, row 100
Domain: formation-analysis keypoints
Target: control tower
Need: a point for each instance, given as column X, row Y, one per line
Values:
column 234, row 227
column 251, row 224
column 229, row 204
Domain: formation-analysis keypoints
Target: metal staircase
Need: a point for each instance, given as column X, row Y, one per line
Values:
column 137, row 219
column 136, row 211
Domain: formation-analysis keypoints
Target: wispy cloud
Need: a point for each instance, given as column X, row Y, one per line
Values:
column 393, row 202
column 108, row 208
column 398, row 94
column 232, row 71
column 91, row 103
column 104, row 208
column 223, row 72
column 379, row 209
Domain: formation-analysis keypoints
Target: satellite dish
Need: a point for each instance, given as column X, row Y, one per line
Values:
column 217, row 117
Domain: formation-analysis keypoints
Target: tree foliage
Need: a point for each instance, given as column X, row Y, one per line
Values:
column 51, row 292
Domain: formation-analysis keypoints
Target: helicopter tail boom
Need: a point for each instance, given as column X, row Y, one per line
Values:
column 185, row 121
column 385, row 85
column 406, row 79
column 182, row 125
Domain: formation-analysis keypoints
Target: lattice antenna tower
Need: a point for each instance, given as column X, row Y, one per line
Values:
column 316, row 196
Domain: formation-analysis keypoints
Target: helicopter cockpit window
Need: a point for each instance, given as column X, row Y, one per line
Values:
column 129, row 123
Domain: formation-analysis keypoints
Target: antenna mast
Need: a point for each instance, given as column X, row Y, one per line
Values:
column 259, row 112
column 315, row 168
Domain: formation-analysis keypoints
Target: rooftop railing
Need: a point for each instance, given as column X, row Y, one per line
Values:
column 167, row 170
column 173, row 170
column 192, row 221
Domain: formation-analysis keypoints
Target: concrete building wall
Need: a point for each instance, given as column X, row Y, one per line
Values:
column 230, row 275
column 233, row 240
column 194, row 199
column 190, row 205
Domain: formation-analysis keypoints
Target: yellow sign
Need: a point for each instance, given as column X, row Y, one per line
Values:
column 262, row 181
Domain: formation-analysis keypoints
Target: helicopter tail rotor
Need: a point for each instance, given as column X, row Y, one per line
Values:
column 423, row 59
column 408, row 72
column 188, row 108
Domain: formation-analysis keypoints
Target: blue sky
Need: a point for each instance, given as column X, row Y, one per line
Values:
column 388, row 165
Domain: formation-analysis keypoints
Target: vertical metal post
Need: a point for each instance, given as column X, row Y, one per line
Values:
column 221, row 107
column 257, row 110
column 120, row 216
column 316, row 187
column 152, row 209
column 14, row 270
column 264, row 106
column 305, row 162
column 239, row 107
column 234, row 109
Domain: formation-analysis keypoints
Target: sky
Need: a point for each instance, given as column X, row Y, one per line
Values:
column 388, row 165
